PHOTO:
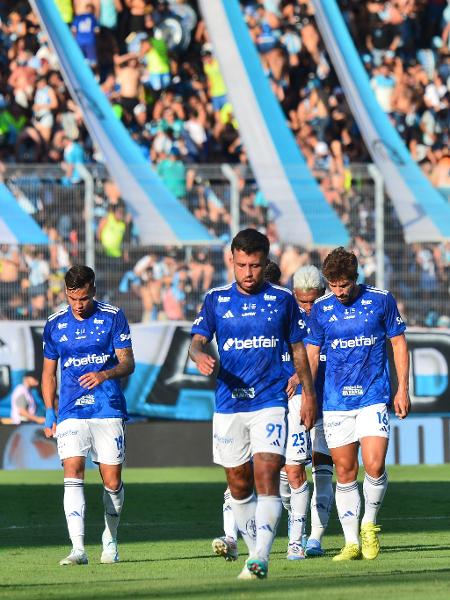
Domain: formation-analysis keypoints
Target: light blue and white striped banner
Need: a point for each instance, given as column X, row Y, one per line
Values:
column 282, row 174
column 17, row 226
column 422, row 211
column 159, row 217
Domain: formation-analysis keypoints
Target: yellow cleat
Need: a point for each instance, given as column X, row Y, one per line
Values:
column 349, row 552
column 369, row 541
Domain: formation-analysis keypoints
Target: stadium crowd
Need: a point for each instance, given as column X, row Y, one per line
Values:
column 154, row 61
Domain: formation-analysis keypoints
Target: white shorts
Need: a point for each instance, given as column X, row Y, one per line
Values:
column 103, row 438
column 237, row 437
column 318, row 441
column 346, row 427
column 298, row 444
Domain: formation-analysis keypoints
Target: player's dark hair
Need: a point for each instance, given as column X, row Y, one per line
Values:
column 78, row 276
column 272, row 272
column 251, row 241
column 340, row 264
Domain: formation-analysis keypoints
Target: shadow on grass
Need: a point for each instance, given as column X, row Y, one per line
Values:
column 369, row 583
column 33, row 515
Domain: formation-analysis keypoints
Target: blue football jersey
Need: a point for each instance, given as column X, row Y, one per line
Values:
column 320, row 377
column 357, row 372
column 86, row 346
column 251, row 333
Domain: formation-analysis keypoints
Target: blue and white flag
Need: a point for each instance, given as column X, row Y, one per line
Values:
column 17, row 226
column 423, row 212
column 159, row 217
column 303, row 214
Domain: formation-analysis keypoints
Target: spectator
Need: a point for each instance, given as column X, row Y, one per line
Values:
column 173, row 173
column 155, row 56
column 73, row 156
column 114, row 233
column 109, row 14
column 128, row 80
column 85, row 28
column 174, row 295
column 9, row 277
column 216, row 87
column 65, row 9
column 45, row 102
column 111, row 231
column 383, row 85
column 149, row 288
column 39, row 273
column 201, row 271
column 23, row 404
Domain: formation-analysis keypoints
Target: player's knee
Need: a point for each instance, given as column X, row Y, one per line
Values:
column 73, row 470
column 296, row 475
column 346, row 471
column 112, row 482
column 240, row 489
column 374, row 467
column 240, row 481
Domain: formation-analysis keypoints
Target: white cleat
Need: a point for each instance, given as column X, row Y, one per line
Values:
column 295, row 551
column 110, row 553
column 226, row 547
column 76, row 557
column 246, row 574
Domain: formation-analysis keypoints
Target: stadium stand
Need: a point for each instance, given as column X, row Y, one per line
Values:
column 155, row 63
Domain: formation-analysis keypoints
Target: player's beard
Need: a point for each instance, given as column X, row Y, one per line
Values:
column 250, row 286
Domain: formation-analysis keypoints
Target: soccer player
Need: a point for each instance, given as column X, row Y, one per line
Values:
column 93, row 342
column 226, row 545
column 354, row 322
column 309, row 285
column 252, row 319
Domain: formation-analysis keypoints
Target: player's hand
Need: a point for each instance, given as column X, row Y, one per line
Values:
column 205, row 363
column 91, row 380
column 402, row 404
column 308, row 411
column 50, row 432
column 292, row 384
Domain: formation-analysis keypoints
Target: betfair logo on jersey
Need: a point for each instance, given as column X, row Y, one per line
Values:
column 242, row 393
column 90, row 359
column 356, row 342
column 352, row 390
column 254, row 342
column 85, row 400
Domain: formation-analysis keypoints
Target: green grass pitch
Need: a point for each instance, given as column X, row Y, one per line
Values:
column 169, row 519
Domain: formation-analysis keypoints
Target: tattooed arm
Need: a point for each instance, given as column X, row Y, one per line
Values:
column 125, row 367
